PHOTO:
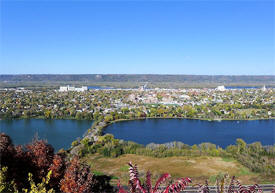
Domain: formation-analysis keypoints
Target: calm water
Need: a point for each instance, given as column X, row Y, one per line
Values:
column 99, row 87
column 59, row 133
column 192, row 132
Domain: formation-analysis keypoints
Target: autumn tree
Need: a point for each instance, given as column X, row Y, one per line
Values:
column 41, row 155
column 6, row 149
column 57, row 167
column 77, row 178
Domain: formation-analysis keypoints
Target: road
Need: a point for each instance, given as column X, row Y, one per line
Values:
column 267, row 188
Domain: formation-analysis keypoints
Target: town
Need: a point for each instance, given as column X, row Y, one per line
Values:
column 111, row 104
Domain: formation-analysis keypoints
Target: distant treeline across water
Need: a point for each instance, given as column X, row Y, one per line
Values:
column 269, row 79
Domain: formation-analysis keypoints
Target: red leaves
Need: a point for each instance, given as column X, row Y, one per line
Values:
column 254, row 188
column 5, row 143
column 120, row 189
column 34, row 158
column 161, row 180
column 77, row 178
column 181, row 184
column 204, row 188
column 134, row 181
column 6, row 149
column 136, row 186
column 133, row 171
column 231, row 185
column 148, row 181
column 41, row 155
column 38, row 158
column 178, row 186
column 58, row 168
column 251, row 189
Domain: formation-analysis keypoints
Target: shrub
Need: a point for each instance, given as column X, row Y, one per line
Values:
column 5, row 185
column 77, row 178
column 35, row 167
column 135, row 184
column 75, row 143
column 39, row 187
column 58, row 169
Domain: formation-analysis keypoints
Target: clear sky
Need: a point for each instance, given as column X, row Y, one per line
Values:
column 137, row 37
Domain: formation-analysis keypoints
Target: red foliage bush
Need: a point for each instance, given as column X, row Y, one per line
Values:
column 6, row 149
column 15, row 159
column 58, row 169
column 135, row 184
column 77, row 178
column 39, row 158
column 34, row 158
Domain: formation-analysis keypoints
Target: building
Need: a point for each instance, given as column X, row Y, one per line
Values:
column 63, row 88
column 72, row 88
column 264, row 88
column 82, row 89
column 220, row 88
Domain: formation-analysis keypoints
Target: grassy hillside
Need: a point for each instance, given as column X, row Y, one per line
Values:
column 197, row 168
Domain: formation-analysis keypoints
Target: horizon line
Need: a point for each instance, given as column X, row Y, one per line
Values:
column 138, row 74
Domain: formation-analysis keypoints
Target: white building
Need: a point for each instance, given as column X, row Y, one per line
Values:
column 264, row 88
column 220, row 88
column 82, row 89
column 63, row 89
column 72, row 88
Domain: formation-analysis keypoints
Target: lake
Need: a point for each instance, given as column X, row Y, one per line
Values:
column 191, row 132
column 59, row 133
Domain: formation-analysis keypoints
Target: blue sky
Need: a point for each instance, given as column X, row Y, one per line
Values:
column 137, row 37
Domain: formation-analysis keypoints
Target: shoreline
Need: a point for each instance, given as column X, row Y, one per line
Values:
column 118, row 120
column 97, row 129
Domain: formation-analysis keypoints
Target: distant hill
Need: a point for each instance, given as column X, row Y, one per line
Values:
column 139, row 78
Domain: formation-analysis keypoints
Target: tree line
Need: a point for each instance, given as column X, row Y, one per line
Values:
column 254, row 156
